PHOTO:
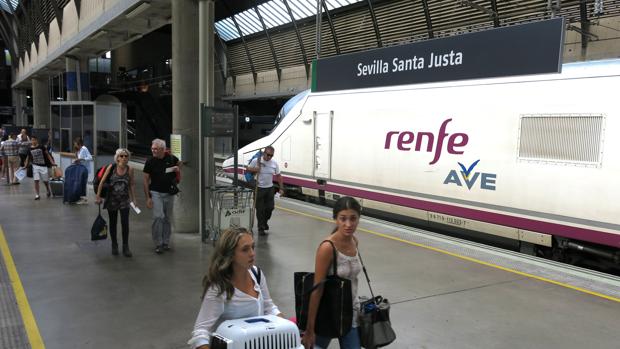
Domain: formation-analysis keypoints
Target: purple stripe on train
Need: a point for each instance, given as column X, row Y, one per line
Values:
column 563, row 230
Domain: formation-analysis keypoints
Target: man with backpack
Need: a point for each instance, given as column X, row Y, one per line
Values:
column 265, row 169
column 160, row 188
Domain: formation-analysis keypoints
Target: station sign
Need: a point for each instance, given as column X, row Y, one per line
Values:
column 217, row 122
column 532, row 48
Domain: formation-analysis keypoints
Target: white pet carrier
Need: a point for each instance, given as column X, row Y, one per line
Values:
column 262, row 332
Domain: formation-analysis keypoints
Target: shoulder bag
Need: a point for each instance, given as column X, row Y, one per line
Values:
column 335, row 314
column 375, row 328
column 99, row 231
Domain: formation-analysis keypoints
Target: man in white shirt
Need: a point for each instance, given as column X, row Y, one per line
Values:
column 266, row 169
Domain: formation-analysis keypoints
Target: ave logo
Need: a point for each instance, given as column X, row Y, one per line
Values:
column 470, row 178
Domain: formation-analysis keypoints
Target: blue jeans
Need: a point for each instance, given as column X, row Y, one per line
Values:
column 162, row 213
column 350, row 341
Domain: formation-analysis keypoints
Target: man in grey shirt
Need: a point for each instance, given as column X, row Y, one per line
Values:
column 266, row 169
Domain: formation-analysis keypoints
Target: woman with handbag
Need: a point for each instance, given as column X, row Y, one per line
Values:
column 120, row 195
column 233, row 288
column 346, row 214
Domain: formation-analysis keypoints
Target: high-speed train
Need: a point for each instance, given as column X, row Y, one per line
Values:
column 531, row 158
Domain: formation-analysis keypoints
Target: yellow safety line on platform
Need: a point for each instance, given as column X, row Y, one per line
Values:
column 32, row 330
column 540, row 278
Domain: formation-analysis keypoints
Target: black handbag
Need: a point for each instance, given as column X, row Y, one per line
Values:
column 99, row 231
column 375, row 328
column 335, row 314
column 174, row 189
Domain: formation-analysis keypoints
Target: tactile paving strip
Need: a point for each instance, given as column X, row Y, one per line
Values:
column 588, row 280
column 12, row 331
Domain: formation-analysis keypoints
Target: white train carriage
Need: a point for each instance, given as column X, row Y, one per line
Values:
column 526, row 158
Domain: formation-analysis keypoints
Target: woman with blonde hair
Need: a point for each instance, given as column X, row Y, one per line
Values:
column 233, row 287
column 119, row 197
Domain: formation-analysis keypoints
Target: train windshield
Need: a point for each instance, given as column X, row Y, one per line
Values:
column 289, row 105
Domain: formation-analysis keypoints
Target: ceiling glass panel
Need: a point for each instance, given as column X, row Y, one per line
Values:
column 274, row 14
column 4, row 4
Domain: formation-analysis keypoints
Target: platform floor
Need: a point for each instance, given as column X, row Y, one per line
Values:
column 443, row 294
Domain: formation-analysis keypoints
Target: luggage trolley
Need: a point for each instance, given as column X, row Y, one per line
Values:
column 232, row 206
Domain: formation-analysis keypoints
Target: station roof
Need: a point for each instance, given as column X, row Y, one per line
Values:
column 9, row 5
column 270, row 14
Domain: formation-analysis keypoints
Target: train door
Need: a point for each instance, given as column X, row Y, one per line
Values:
column 323, row 144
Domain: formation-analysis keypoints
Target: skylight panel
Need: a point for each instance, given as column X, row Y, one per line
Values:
column 248, row 22
column 299, row 10
column 227, row 30
column 274, row 14
column 270, row 20
column 6, row 7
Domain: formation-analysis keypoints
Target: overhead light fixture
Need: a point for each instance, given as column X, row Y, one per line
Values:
column 99, row 34
column 137, row 10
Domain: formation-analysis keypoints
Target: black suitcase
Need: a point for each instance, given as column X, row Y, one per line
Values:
column 57, row 185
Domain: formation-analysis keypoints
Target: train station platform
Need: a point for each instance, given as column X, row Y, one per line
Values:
column 59, row 290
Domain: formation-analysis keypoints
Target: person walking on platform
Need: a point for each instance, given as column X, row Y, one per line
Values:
column 265, row 169
column 10, row 149
column 24, row 147
column 346, row 214
column 82, row 157
column 159, row 182
column 233, row 288
column 119, row 197
column 41, row 160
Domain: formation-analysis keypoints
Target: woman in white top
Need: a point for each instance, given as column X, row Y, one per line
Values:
column 81, row 152
column 231, row 290
column 346, row 214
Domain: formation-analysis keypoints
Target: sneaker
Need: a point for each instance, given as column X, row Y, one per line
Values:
column 261, row 232
column 266, row 226
column 126, row 252
column 82, row 201
column 159, row 250
column 165, row 247
column 114, row 250
column 37, row 197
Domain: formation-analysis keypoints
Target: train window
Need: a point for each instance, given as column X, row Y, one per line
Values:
column 562, row 138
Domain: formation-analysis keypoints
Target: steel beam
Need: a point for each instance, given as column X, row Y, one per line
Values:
column 374, row 23
column 492, row 14
column 331, row 27
column 585, row 23
column 496, row 16
column 429, row 22
column 8, row 39
column 273, row 51
column 225, row 48
column 301, row 43
column 245, row 45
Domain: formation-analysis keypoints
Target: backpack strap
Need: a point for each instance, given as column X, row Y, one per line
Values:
column 257, row 273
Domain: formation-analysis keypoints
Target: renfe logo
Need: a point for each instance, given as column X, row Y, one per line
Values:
column 456, row 140
column 487, row 180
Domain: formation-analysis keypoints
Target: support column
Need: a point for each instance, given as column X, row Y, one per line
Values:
column 72, row 68
column 206, row 11
column 185, row 109
column 41, row 103
column 19, row 103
